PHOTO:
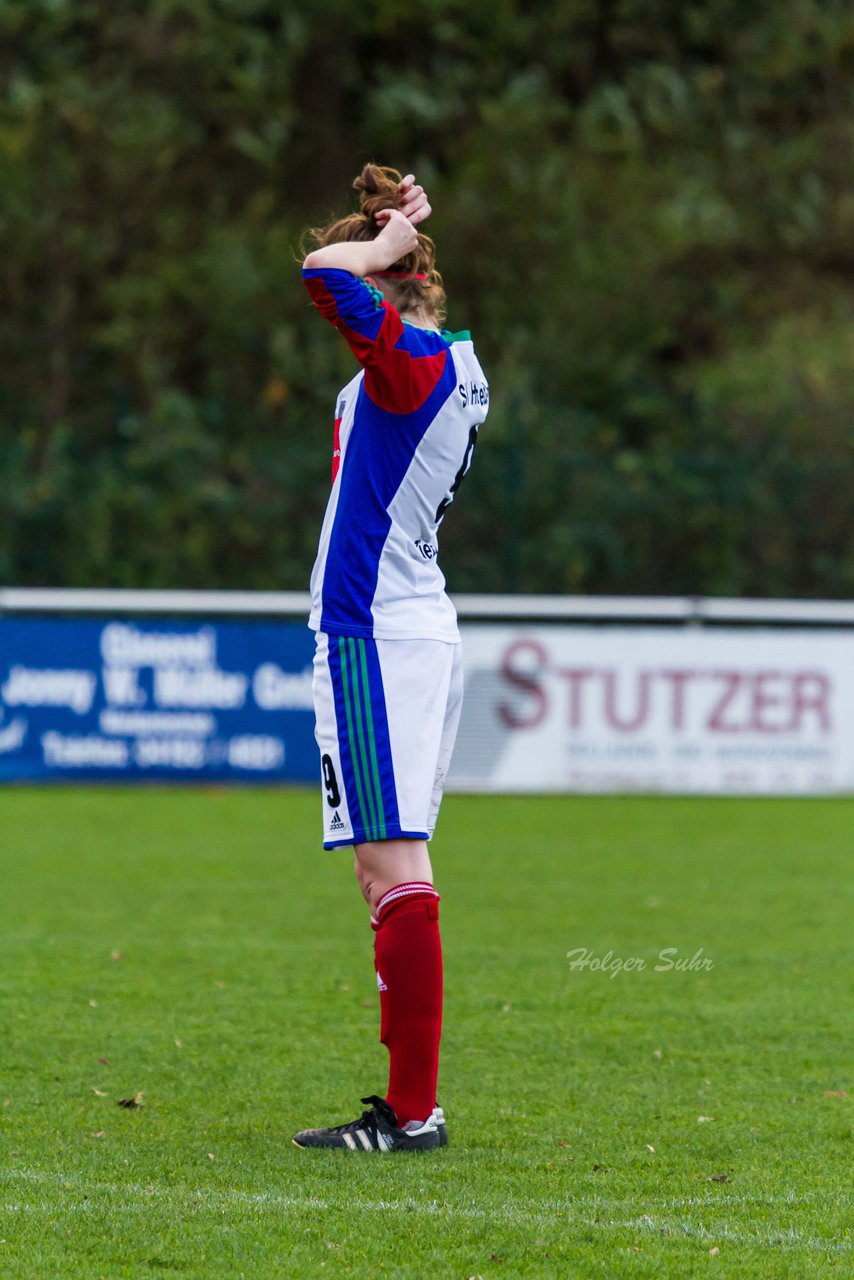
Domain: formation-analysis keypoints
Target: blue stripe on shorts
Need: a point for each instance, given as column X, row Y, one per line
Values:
column 363, row 738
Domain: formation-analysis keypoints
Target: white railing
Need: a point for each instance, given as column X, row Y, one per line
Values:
column 684, row 609
column 98, row 600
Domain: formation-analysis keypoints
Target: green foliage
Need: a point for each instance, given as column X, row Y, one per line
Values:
column 643, row 212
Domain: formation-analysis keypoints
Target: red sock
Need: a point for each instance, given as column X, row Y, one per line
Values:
column 408, row 956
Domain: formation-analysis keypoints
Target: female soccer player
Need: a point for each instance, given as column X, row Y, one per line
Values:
column 387, row 671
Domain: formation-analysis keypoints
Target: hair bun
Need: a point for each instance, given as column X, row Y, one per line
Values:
column 379, row 188
column 414, row 282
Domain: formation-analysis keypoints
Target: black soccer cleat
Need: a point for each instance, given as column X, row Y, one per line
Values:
column 439, row 1117
column 375, row 1130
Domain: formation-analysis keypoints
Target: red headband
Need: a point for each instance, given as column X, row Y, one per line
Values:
column 401, row 275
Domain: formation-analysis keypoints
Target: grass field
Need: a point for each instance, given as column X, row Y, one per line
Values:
column 196, row 947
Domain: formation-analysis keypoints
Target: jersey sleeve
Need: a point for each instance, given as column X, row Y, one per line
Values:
column 403, row 365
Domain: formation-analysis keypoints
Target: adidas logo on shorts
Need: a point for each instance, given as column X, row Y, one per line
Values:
column 335, row 823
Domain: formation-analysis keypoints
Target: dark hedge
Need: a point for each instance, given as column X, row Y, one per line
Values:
column 643, row 210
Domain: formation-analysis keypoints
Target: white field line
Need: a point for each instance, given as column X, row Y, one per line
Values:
column 779, row 1236
column 555, row 1213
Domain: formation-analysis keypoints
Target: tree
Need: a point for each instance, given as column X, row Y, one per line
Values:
column 643, row 213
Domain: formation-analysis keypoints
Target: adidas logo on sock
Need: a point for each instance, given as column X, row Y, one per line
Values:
column 335, row 823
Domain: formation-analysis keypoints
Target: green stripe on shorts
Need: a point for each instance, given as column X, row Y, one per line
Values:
column 372, row 743
column 345, row 684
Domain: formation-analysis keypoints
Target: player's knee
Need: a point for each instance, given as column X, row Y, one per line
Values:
column 363, row 878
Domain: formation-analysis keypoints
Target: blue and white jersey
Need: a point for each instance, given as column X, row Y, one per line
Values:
column 405, row 433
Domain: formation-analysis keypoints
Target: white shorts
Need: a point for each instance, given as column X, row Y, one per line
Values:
column 387, row 713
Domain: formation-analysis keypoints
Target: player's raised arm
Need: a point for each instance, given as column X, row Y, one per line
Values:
column 373, row 276
column 397, row 238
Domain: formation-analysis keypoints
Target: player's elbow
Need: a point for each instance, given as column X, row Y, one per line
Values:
column 314, row 260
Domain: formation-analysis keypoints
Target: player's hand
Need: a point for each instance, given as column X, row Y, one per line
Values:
column 416, row 207
column 398, row 236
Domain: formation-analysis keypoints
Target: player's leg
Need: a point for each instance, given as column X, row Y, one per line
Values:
column 381, row 721
column 453, row 709
column 384, row 864
column 396, row 875
column 396, row 879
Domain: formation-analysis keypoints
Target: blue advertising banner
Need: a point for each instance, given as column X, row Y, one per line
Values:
column 129, row 700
